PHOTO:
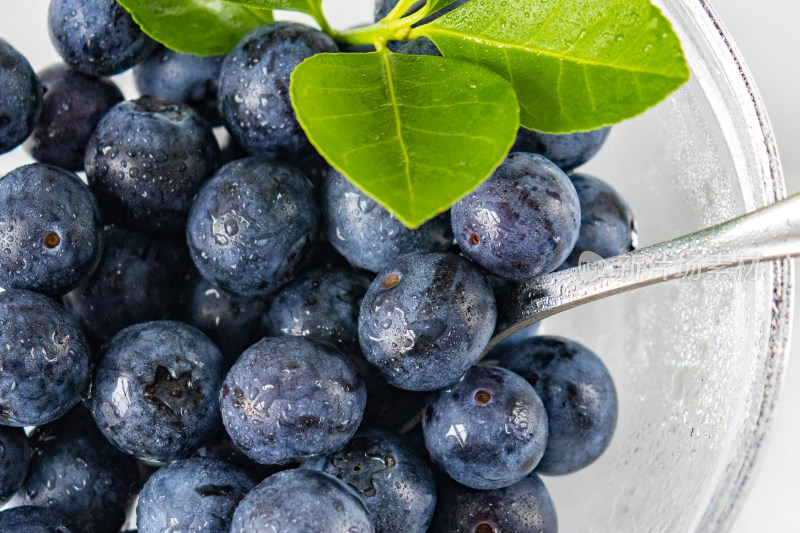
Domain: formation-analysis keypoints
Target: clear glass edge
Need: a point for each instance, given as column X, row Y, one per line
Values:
column 737, row 478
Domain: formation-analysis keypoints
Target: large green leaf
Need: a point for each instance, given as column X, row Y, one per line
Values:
column 311, row 7
column 416, row 133
column 200, row 27
column 435, row 5
column 574, row 64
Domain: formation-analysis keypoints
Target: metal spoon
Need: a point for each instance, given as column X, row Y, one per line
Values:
column 772, row 232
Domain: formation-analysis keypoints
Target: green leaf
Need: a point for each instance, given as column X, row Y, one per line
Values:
column 575, row 65
column 200, row 27
column 435, row 5
column 311, row 7
column 416, row 133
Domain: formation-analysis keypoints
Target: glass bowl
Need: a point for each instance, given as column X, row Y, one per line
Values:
column 698, row 363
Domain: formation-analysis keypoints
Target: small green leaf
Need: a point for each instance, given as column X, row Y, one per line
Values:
column 575, row 65
column 416, row 133
column 200, row 27
column 311, row 7
column 435, row 5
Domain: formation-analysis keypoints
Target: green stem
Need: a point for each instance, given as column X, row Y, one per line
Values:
column 383, row 31
column 365, row 35
column 320, row 19
column 400, row 9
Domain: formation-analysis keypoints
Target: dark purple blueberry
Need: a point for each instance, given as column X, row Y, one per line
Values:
column 578, row 395
column 135, row 282
column 522, row 222
column 426, row 320
column 367, row 235
column 252, row 226
column 146, row 161
column 74, row 103
column 607, row 224
column 301, row 500
column 254, row 89
column 568, row 151
column 78, row 473
column 31, row 519
column 15, row 454
column 155, row 393
column 192, row 495
column 322, row 304
column 21, row 101
column 98, row 37
column 523, row 507
column 231, row 321
column 421, row 46
column 44, row 367
column 290, row 398
column 51, row 234
column 390, row 477
column 488, row 431
column 185, row 78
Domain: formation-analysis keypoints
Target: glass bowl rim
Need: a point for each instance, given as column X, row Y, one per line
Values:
column 732, row 488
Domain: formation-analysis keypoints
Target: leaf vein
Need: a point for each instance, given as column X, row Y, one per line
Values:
column 527, row 47
column 385, row 59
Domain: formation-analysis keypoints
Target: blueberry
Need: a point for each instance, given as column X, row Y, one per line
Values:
column 146, row 161
column 426, row 320
column 31, row 519
column 522, row 222
column 568, row 151
column 21, row 104
column 390, row 477
column 488, row 431
column 367, row 235
column 421, row 46
column 76, row 472
column 45, row 365
column 197, row 494
column 290, row 398
column 322, row 304
column 231, row 321
column 578, row 395
column 252, row 226
column 15, row 454
column 134, row 282
column 523, row 507
column 607, row 224
column 74, row 103
column 183, row 78
column 155, row 392
column 301, row 500
column 97, row 37
column 50, row 230
column 255, row 103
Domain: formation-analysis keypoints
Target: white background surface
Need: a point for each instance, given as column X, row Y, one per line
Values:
column 766, row 33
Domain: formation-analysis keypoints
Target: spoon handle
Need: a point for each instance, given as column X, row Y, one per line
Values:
column 772, row 232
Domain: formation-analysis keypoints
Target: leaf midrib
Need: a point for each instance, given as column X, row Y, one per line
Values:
column 429, row 30
column 396, row 109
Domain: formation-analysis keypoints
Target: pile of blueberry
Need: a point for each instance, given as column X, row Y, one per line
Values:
column 243, row 338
